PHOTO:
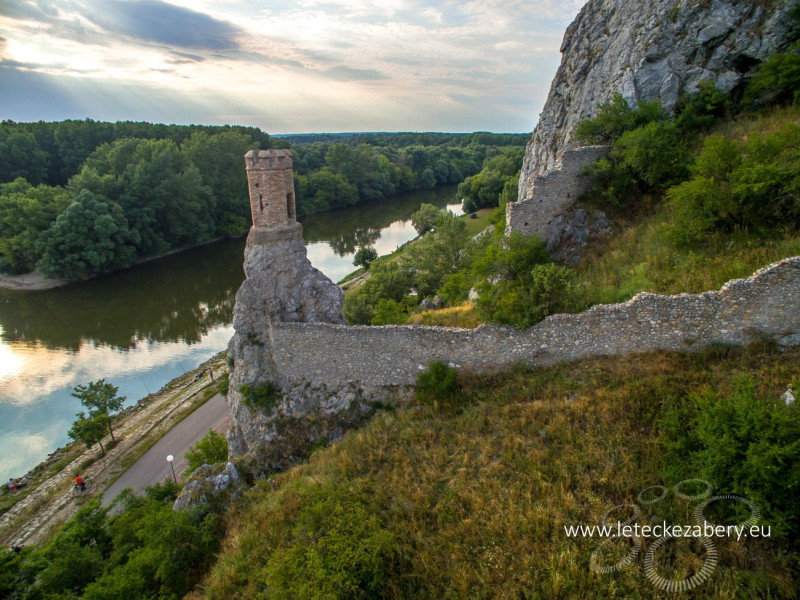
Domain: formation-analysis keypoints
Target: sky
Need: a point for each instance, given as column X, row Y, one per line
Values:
column 289, row 66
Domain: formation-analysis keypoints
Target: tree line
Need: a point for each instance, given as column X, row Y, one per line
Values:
column 79, row 198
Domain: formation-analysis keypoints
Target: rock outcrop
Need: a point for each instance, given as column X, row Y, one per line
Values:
column 659, row 49
column 272, row 421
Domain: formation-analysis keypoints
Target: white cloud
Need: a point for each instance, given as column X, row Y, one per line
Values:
column 318, row 64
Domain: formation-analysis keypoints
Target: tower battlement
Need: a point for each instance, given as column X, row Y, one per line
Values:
column 271, row 188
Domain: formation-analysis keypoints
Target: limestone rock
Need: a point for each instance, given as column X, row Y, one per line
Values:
column 645, row 51
column 204, row 484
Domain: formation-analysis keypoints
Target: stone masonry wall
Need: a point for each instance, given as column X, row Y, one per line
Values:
column 552, row 193
column 766, row 304
column 332, row 376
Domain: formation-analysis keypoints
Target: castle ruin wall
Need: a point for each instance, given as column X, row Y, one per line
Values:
column 337, row 356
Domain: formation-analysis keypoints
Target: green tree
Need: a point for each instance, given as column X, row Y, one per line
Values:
column 89, row 237
column 210, row 450
column 425, row 218
column 364, row 256
column 435, row 256
column 101, row 399
column 219, row 159
column 428, row 179
column 20, row 155
column 89, row 430
column 25, row 212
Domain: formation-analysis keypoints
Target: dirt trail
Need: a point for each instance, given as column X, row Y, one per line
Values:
column 30, row 520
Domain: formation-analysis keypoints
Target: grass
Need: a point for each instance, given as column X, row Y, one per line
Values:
column 641, row 259
column 463, row 316
column 476, row 499
column 353, row 280
column 475, row 226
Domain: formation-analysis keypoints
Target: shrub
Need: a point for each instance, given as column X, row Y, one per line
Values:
column 437, row 385
column 212, row 449
column 614, row 118
column 741, row 442
column 224, row 382
column 647, row 158
column 777, row 79
column 752, row 185
column 389, row 312
column 337, row 550
column 547, row 289
column 264, row 396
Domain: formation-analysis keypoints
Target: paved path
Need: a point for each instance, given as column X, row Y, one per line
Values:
column 153, row 467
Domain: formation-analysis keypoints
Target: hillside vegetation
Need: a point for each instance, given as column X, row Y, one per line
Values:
column 467, row 496
column 707, row 195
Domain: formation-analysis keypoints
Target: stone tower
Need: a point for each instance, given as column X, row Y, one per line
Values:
column 281, row 287
column 269, row 179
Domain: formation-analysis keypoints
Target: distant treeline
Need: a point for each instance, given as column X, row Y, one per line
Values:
column 51, row 153
column 330, row 176
column 403, row 139
column 82, row 197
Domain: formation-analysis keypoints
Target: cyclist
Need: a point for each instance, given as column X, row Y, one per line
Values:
column 80, row 483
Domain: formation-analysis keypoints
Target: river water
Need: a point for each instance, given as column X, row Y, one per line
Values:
column 142, row 327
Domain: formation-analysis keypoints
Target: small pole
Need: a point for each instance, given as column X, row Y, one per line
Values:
column 170, row 458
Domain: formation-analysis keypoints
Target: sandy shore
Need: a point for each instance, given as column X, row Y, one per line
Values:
column 33, row 281
column 30, row 282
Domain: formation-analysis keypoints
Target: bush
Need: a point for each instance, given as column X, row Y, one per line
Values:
column 752, row 185
column 358, row 307
column 744, row 444
column 337, row 550
column 614, row 118
column 224, row 382
column 264, row 396
column 389, row 312
column 212, row 449
column 777, row 79
column 438, row 385
column 651, row 157
column 547, row 289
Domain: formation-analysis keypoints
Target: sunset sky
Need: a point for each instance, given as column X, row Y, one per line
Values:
column 287, row 67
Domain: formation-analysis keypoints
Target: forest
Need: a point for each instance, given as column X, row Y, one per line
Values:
column 78, row 198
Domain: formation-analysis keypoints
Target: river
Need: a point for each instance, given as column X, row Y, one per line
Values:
column 144, row 326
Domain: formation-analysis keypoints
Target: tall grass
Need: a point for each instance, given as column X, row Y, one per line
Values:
column 476, row 501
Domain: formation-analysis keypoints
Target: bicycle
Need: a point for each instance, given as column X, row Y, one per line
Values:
column 78, row 490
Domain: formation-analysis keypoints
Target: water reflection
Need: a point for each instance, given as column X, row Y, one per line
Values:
column 178, row 298
column 142, row 327
column 338, row 229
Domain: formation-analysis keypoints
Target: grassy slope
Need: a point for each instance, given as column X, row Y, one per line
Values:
column 477, row 500
column 638, row 257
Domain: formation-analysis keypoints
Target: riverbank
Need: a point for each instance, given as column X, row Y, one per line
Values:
column 34, row 282
column 30, row 282
column 33, row 512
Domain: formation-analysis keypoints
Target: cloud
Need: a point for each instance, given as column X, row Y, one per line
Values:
column 344, row 73
column 372, row 64
column 156, row 21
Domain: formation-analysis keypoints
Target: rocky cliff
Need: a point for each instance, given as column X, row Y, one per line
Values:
column 655, row 49
column 281, row 287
